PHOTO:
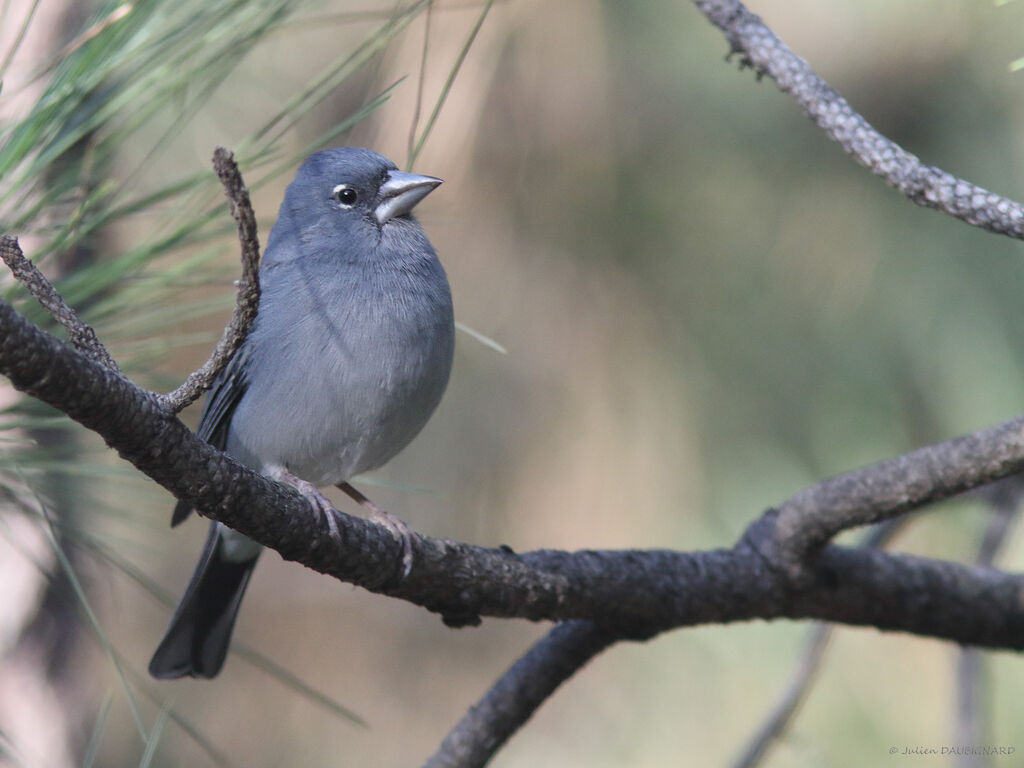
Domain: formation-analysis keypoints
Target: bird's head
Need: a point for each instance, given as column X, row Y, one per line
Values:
column 343, row 197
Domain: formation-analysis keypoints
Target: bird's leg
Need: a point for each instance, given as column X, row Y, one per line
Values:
column 396, row 525
column 320, row 503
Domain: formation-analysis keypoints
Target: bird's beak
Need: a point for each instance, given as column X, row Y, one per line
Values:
column 400, row 193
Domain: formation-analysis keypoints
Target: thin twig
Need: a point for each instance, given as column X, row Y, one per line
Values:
column 518, row 693
column 970, row 725
column 786, row 707
column 804, row 676
column 84, row 338
column 1004, row 498
column 81, row 335
column 248, row 296
column 924, row 184
column 971, row 728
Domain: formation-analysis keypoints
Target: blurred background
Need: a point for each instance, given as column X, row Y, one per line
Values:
column 704, row 306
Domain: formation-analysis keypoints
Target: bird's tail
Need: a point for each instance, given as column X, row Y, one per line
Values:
column 196, row 642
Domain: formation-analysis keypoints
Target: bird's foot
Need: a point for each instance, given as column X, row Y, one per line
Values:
column 320, row 503
column 398, row 527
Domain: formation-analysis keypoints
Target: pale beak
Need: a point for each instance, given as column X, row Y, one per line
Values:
column 401, row 192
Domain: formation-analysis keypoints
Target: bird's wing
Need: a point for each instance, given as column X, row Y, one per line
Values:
column 224, row 395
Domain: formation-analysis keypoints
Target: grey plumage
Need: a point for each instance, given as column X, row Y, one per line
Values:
column 348, row 357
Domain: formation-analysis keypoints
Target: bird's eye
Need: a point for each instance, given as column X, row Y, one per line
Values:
column 345, row 195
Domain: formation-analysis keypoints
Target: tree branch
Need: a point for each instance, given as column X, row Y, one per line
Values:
column 808, row 520
column 514, row 698
column 247, row 298
column 629, row 593
column 925, row 185
column 81, row 335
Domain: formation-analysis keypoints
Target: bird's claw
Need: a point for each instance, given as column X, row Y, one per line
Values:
column 401, row 531
column 320, row 503
column 398, row 527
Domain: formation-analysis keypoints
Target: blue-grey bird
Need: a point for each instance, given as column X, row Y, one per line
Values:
column 347, row 359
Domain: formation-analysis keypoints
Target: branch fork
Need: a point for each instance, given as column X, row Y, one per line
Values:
column 84, row 339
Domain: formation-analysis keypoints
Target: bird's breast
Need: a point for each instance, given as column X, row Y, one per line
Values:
column 341, row 381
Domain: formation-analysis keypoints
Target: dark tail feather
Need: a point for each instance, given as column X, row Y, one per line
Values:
column 181, row 511
column 196, row 643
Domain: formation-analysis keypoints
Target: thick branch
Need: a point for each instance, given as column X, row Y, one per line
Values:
column 630, row 593
column 808, row 520
column 924, row 184
column 248, row 295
